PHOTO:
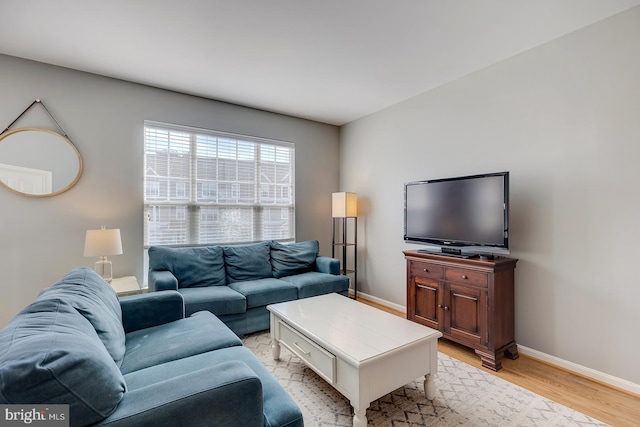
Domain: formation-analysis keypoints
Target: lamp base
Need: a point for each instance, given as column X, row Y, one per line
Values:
column 104, row 268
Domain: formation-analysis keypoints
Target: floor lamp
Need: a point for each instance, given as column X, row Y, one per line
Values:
column 344, row 206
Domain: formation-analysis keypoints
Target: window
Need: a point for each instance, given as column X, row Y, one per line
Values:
column 206, row 187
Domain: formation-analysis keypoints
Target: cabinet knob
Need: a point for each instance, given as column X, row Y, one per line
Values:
column 464, row 277
column 426, row 270
column 439, row 305
column 446, row 308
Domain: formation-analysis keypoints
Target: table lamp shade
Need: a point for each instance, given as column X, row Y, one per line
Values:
column 103, row 242
column 344, row 205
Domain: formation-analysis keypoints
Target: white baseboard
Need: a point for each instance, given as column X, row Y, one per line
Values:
column 592, row 374
column 598, row 376
column 397, row 307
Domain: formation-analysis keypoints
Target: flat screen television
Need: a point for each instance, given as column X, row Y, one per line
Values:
column 463, row 215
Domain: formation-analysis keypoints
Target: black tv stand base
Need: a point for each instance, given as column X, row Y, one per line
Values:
column 443, row 253
column 453, row 254
column 451, row 251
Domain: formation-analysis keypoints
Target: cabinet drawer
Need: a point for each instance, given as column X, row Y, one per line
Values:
column 424, row 269
column 316, row 357
column 467, row 277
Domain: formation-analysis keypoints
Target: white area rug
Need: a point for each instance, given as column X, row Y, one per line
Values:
column 465, row 396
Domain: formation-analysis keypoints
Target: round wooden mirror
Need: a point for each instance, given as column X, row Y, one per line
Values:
column 38, row 162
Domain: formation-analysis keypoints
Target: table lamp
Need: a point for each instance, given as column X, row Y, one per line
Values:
column 101, row 243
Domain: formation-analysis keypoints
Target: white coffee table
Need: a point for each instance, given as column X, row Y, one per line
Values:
column 363, row 352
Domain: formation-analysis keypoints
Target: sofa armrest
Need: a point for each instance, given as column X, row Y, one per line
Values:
column 329, row 265
column 147, row 310
column 225, row 395
column 162, row 280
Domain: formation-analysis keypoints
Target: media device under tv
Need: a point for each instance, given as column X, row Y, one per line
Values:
column 465, row 216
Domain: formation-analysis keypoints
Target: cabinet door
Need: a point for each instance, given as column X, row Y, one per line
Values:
column 425, row 301
column 467, row 313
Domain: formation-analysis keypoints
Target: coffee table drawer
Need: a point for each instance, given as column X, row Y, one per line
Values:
column 316, row 357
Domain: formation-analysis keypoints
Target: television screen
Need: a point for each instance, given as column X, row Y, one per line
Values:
column 462, row 211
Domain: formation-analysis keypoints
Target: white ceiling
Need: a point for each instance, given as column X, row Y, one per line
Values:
column 332, row 61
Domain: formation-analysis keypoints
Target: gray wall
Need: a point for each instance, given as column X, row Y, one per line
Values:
column 564, row 120
column 43, row 238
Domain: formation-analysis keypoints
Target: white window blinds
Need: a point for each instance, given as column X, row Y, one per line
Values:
column 206, row 187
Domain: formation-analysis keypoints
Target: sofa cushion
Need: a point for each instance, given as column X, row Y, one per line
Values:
column 265, row 291
column 97, row 301
column 293, row 258
column 279, row 408
column 219, row 300
column 51, row 354
column 248, row 262
column 313, row 283
column 193, row 267
column 254, row 319
column 175, row 340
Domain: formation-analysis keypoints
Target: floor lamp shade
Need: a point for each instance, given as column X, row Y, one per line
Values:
column 344, row 205
column 101, row 243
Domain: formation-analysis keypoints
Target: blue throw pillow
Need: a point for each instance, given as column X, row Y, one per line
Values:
column 98, row 302
column 50, row 354
column 248, row 262
column 294, row 258
column 193, row 267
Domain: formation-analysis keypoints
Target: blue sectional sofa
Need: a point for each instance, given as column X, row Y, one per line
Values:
column 236, row 283
column 137, row 361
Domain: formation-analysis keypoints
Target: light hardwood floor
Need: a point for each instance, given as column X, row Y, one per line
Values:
column 600, row 401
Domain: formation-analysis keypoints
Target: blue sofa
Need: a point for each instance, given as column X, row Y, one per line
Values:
column 137, row 361
column 236, row 283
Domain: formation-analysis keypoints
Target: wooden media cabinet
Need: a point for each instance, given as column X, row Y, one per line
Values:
column 471, row 301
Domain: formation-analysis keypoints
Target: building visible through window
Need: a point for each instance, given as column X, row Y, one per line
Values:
column 207, row 187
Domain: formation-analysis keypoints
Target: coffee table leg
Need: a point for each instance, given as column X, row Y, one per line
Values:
column 429, row 387
column 275, row 349
column 359, row 417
